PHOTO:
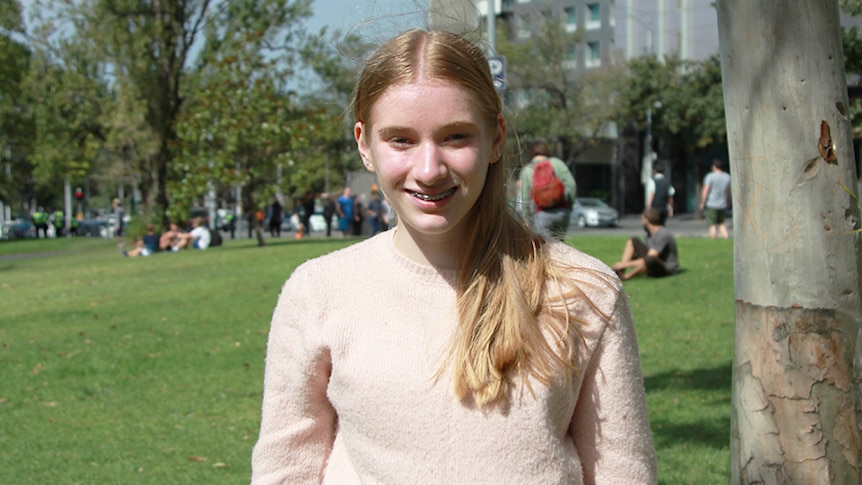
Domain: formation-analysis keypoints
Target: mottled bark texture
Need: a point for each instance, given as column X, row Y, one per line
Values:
column 797, row 251
column 796, row 407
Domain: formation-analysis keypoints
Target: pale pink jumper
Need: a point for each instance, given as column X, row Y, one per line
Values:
column 350, row 394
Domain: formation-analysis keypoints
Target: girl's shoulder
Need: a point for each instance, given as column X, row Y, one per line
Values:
column 560, row 252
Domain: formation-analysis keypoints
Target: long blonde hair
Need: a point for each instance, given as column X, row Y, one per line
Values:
column 509, row 327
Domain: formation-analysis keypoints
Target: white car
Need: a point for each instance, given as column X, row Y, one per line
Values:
column 593, row 213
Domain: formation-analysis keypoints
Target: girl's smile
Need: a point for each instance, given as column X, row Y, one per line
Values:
column 431, row 152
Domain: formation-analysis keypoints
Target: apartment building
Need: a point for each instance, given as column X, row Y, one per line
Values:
column 612, row 29
column 630, row 28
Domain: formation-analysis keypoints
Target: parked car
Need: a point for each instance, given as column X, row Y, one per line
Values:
column 19, row 228
column 97, row 227
column 592, row 212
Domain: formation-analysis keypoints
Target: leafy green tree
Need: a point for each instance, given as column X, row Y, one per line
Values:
column 66, row 94
column 547, row 100
column 334, row 60
column 685, row 98
column 155, row 55
column 241, row 123
column 144, row 45
column 15, row 128
column 703, row 109
column 686, row 103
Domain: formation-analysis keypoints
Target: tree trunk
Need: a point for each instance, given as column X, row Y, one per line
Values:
column 249, row 202
column 797, row 252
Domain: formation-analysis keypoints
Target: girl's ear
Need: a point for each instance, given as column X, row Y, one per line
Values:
column 364, row 151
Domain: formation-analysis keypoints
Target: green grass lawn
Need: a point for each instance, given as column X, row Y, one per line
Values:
column 149, row 370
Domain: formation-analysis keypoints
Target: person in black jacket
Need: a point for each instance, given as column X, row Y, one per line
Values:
column 661, row 194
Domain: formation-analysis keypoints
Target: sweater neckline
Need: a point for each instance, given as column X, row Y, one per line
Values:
column 424, row 273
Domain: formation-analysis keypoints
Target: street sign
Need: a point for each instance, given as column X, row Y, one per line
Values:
column 497, row 64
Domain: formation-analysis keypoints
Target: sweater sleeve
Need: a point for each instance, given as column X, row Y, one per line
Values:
column 610, row 425
column 297, row 423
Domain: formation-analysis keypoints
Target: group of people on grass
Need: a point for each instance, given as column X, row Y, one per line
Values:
column 174, row 239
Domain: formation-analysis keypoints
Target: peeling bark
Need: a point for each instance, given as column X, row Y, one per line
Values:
column 797, row 253
column 796, row 404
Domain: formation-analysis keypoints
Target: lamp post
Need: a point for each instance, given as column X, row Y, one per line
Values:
column 649, row 154
column 491, row 21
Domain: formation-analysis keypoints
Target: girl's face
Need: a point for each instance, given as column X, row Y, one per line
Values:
column 431, row 152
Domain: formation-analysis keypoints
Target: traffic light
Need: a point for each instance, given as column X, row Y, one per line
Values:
column 79, row 194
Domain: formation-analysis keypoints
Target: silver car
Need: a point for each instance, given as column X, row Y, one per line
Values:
column 592, row 212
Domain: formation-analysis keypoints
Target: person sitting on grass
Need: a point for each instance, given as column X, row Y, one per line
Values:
column 147, row 245
column 198, row 238
column 170, row 238
column 656, row 257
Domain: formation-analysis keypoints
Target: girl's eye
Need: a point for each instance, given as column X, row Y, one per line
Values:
column 458, row 137
column 399, row 141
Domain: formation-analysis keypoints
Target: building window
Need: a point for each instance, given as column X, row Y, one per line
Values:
column 524, row 26
column 571, row 19
column 594, row 54
column 594, row 16
column 572, row 53
column 571, row 61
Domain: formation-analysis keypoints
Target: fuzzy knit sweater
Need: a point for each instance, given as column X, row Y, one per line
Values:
column 350, row 394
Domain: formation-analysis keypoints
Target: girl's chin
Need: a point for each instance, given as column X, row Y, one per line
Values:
column 428, row 225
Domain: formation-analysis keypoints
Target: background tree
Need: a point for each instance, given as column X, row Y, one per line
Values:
column 66, row 96
column 242, row 125
column 545, row 98
column 686, row 105
column 146, row 44
column 15, row 126
column 797, row 250
column 333, row 60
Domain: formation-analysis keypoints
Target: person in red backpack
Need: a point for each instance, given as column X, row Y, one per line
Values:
column 547, row 192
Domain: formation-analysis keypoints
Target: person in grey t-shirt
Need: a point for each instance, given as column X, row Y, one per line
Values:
column 715, row 199
column 656, row 256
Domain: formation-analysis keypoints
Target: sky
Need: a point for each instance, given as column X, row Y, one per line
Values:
column 346, row 14
column 376, row 18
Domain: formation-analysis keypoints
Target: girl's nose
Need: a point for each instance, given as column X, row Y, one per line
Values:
column 431, row 166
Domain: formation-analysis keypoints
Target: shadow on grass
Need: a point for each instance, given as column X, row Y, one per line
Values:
column 714, row 433
column 717, row 378
column 703, row 429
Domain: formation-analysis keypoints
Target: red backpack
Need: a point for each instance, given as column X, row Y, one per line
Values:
column 548, row 190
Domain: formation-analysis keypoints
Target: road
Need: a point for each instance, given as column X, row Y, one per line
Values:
column 684, row 225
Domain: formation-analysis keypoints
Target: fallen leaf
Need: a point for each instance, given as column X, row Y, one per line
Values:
column 219, row 465
column 197, row 458
column 37, row 368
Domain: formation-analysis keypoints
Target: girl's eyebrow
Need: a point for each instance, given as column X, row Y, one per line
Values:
column 448, row 126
